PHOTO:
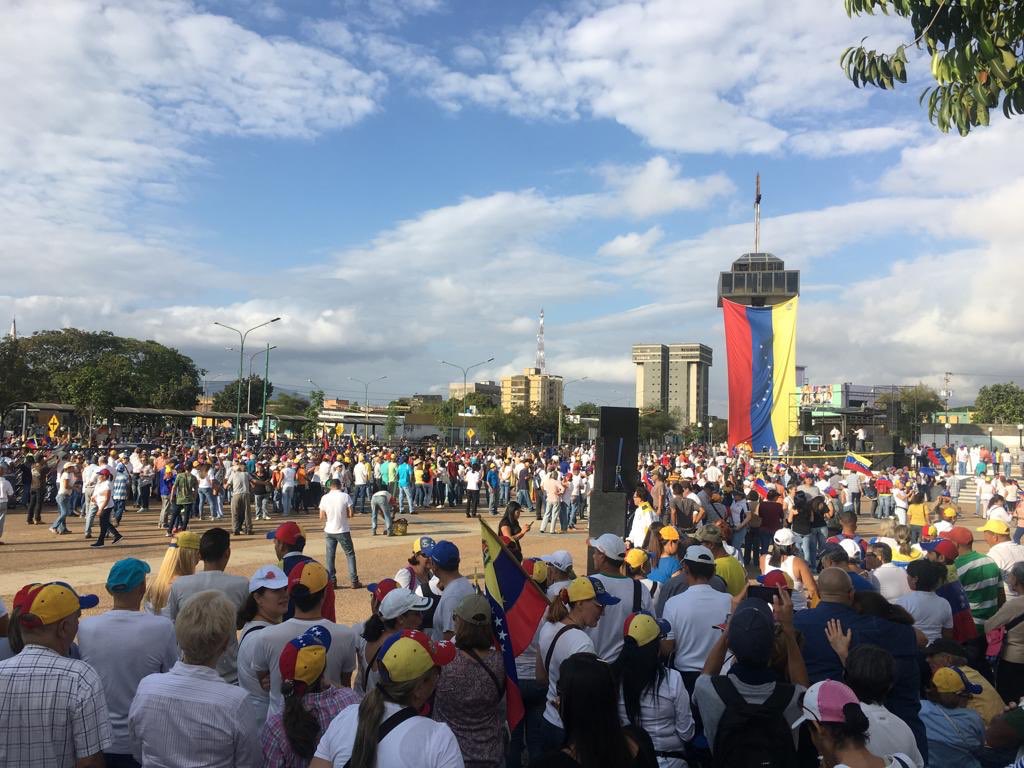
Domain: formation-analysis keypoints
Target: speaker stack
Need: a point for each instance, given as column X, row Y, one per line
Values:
column 615, row 473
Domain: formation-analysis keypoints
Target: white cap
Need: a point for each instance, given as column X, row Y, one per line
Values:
column 269, row 576
column 784, row 537
column 699, row 554
column 610, row 545
column 400, row 601
column 560, row 558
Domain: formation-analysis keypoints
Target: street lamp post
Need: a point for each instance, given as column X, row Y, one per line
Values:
column 317, row 388
column 465, row 377
column 948, row 427
column 991, row 447
column 561, row 406
column 248, row 396
column 700, row 431
column 366, row 402
column 241, row 361
column 1020, row 435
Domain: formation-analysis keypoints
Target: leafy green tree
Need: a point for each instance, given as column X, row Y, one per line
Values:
column 286, row 403
column 917, row 405
column 587, row 409
column 655, row 424
column 311, row 428
column 976, row 57
column 95, row 390
column 391, row 423
column 226, row 401
column 16, row 379
column 999, row 404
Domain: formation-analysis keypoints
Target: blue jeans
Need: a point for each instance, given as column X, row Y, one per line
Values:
column 405, row 494
column 218, row 506
column 362, row 494
column 523, row 497
column 181, row 516
column 90, row 515
column 961, row 467
column 64, row 508
column 886, row 505
column 383, row 507
column 119, row 505
column 1018, row 533
column 803, row 543
column 503, row 491
column 818, row 536
column 493, row 493
column 287, row 500
column 345, row 540
column 552, row 513
column 528, row 734
column 205, row 494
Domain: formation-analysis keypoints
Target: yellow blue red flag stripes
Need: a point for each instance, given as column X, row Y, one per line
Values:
column 760, row 345
column 857, row 463
column 517, row 608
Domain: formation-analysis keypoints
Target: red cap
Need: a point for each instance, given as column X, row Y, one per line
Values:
column 288, row 533
column 958, row 535
column 947, row 549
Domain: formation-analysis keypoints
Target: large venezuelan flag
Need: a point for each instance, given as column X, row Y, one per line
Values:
column 760, row 344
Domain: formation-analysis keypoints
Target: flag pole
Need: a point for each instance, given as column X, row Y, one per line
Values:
column 757, row 214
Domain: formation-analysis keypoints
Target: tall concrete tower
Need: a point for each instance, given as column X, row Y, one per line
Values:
column 540, row 343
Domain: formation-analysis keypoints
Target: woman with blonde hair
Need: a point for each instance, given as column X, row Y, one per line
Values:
column 180, row 559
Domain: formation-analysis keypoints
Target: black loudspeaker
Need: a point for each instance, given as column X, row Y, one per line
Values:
column 806, row 425
column 618, row 448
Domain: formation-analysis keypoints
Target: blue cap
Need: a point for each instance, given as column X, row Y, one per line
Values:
column 445, row 554
column 125, row 575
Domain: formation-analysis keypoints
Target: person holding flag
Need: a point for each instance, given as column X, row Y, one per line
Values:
column 856, row 463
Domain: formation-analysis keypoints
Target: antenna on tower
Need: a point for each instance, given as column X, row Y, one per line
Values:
column 757, row 215
column 540, row 343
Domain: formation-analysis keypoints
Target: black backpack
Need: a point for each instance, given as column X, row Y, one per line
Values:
column 753, row 735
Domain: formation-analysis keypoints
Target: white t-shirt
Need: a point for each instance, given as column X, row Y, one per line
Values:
column 270, row 641
column 694, row 614
column 892, row 581
column 124, row 647
column 335, row 506
column 450, row 599
column 665, row 714
column 104, row 487
column 571, row 642
column 473, row 480
column 288, row 477
column 359, row 474
column 888, row 735
column 931, row 613
column 65, row 477
column 419, row 742
column 607, row 635
column 1000, row 513
column 1006, row 553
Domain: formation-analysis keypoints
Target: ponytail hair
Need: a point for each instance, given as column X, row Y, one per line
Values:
column 853, row 731
column 301, row 727
column 559, row 609
column 371, row 712
column 902, row 536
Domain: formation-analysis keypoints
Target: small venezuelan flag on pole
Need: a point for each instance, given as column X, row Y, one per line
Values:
column 857, row 463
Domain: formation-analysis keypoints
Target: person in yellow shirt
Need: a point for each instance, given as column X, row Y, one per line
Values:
column 727, row 567
column 917, row 517
column 905, row 551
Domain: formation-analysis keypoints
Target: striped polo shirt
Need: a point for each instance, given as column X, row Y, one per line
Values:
column 982, row 581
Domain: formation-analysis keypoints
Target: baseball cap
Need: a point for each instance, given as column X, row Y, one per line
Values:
column 560, row 558
column 286, row 533
column 269, row 577
column 953, row 680
column 958, row 535
column 942, row 547
column 997, row 527
column 942, row 645
column 636, row 557
column 186, row 540
column 308, row 577
column 784, row 537
column 645, row 628
column 775, row 579
column 421, row 544
column 752, row 631
column 709, row 534
column 409, row 654
column 589, row 588
column 105, row 472
column 303, row 659
column 125, row 575
column 445, row 554
column 699, row 554
column 536, row 569
column 610, row 545
column 399, row 600
column 668, row 533
column 380, row 589
column 824, row 702
column 44, row 604
column 474, row 609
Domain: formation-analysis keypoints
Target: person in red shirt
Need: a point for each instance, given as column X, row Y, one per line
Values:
column 886, row 502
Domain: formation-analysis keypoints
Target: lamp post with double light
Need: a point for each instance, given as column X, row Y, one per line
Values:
column 561, row 406
column 248, row 396
column 241, row 361
column 465, row 378
column 366, row 401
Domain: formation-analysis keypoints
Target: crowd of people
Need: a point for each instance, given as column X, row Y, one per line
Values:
column 742, row 620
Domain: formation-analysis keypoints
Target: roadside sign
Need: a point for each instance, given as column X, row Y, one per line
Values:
column 812, row 439
column 470, row 433
column 53, row 424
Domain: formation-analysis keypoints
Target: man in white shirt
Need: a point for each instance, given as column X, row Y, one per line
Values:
column 361, row 483
column 695, row 615
column 1001, row 549
column 892, row 580
column 215, row 552
column 631, row 596
column 444, row 563
column 190, row 716
column 335, row 512
column 307, row 585
column 932, row 614
column 124, row 645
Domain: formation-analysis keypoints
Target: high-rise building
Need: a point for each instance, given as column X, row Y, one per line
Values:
column 489, row 389
column 532, row 389
column 673, row 378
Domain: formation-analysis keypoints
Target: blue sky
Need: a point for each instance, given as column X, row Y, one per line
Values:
column 405, row 181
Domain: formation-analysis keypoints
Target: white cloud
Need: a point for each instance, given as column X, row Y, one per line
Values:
column 677, row 76
column 853, row 141
column 656, row 187
column 469, row 56
column 632, row 244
